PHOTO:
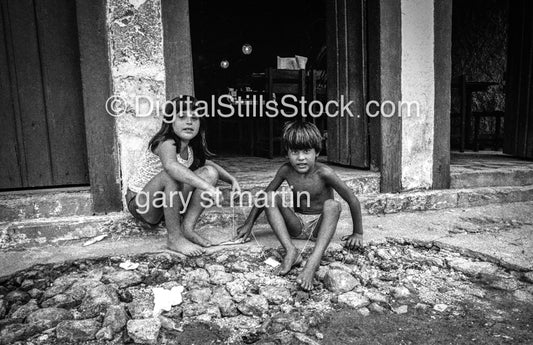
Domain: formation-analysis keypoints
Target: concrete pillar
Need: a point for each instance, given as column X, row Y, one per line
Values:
column 135, row 38
column 418, row 87
column 425, row 85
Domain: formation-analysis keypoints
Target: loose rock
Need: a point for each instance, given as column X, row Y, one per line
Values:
column 401, row 292
column 17, row 296
column 141, row 308
column 504, row 284
column 61, row 301
column 339, row 281
column 523, row 296
column 298, row 326
column 375, row 296
column 364, row 311
column 275, row 294
column 3, row 309
column 353, row 299
column 59, row 285
column 237, row 287
column 198, row 276
column 211, row 269
column 50, row 317
column 440, row 307
column 200, row 295
column 227, row 307
column 401, row 309
column 115, row 318
column 376, row 308
column 528, row 277
column 18, row 331
column 472, row 268
column 144, row 331
column 97, row 300
column 123, row 279
column 254, row 305
column 321, row 272
column 77, row 330
column 23, row 311
column 221, row 278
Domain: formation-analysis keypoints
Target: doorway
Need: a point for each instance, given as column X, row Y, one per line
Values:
column 234, row 43
column 491, row 77
column 42, row 134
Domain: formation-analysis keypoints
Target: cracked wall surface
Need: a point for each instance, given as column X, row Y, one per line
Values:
column 137, row 68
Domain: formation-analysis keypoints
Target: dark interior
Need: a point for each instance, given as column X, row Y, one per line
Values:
column 272, row 28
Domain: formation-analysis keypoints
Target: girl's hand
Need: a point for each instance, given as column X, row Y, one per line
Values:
column 214, row 194
column 353, row 241
column 235, row 188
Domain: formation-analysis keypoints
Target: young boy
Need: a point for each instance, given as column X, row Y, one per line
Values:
column 316, row 213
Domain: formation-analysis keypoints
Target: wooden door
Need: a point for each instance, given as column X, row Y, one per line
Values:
column 347, row 136
column 42, row 136
column 518, row 121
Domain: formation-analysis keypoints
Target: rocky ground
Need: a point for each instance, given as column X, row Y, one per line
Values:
column 391, row 292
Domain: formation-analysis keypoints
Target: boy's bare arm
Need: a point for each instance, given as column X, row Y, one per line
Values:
column 333, row 180
column 245, row 230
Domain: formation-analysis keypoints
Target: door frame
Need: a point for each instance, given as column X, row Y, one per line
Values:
column 347, row 71
column 100, row 131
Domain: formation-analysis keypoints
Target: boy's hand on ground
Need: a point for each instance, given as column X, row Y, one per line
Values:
column 244, row 232
column 353, row 241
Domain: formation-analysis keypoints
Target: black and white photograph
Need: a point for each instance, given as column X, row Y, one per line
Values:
column 268, row 172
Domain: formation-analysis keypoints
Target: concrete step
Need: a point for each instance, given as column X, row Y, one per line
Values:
column 68, row 202
column 510, row 176
column 60, row 230
column 445, row 198
column 45, row 203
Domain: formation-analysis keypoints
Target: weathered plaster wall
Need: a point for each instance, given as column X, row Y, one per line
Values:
column 137, row 68
column 417, row 85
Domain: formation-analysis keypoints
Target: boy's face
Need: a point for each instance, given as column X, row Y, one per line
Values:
column 302, row 160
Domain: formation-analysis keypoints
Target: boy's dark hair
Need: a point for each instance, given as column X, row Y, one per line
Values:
column 166, row 132
column 299, row 135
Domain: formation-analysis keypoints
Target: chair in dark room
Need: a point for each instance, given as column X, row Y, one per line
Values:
column 279, row 82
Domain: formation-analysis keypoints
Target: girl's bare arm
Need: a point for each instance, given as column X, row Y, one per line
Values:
column 167, row 153
column 222, row 173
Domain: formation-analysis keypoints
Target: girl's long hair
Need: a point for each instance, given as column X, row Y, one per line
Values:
column 166, row 132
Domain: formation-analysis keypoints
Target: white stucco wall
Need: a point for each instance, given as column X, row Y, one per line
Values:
column 418, row 84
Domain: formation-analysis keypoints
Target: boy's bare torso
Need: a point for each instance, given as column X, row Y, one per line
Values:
column 310, row 185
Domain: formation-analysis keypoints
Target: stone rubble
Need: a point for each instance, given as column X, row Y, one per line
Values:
column 99, row 301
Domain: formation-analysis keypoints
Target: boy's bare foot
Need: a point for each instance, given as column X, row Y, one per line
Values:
column 182, row 245
column 305, row 278
column 196, row 238
column 291, row 259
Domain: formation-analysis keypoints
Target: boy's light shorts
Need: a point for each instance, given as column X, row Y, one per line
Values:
column 309, row 223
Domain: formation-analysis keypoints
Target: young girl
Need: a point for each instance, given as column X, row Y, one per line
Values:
column 176, row 176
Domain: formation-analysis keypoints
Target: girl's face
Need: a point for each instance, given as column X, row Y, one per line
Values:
column 186, row 125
